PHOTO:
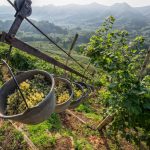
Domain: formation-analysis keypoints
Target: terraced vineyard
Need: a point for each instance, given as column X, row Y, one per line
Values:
column 73, row 129
column 114, row 112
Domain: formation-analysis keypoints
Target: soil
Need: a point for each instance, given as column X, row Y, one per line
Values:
column 1, row 123
column 64, row 143
column 126, row 145
column 70, row 122
column 98, row 142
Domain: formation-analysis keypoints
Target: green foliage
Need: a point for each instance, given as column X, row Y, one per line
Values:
column 38, row 129
column 22, row 61
column 43, row 141
column 55, row 122
column 83, row 108
column 39, row 135
column 3, row 51
column 94, row 117
column 125, row 95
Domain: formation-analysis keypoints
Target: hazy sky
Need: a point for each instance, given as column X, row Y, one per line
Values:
column 104, row 2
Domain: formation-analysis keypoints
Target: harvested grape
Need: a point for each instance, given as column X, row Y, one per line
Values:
column 77, row 92
column 34, row 91
column 62, row 93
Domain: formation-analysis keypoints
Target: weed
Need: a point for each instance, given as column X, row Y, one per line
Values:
column 83, row 144
column 94, row 116
column 55, row 122
column 83, row 108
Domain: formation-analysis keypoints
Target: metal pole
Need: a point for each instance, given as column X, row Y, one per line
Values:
column 71, row 48
column 86, row 69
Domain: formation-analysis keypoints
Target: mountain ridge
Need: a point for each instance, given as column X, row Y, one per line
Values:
column 86, row 15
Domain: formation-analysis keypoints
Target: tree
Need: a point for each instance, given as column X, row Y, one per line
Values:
column 127, row 93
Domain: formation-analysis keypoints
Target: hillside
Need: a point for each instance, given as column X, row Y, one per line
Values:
column 91, row 15
column 46, row 26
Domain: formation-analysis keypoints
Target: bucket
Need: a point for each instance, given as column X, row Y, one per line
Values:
column 36, row 114
column 63, row 106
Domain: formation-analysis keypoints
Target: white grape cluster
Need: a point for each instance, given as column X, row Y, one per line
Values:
column 34, row 91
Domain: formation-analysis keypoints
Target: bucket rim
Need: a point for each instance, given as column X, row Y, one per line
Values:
column 86, row 87
column 81, row 88
column 68, row 83
column 36, row 106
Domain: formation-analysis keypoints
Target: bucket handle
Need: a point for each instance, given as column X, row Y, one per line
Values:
column 12, row 74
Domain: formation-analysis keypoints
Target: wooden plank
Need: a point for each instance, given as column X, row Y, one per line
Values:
column 72, row 114
column 35, row 52
column 105, row 122
column 69, row 112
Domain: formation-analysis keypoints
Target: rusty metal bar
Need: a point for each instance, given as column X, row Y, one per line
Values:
column 23, row 9
column 35, row 52
column 71, row 48
column 15, row 26
column 69, row 53
column 9, row 53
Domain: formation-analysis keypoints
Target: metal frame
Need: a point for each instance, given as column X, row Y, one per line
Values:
column 9, row 38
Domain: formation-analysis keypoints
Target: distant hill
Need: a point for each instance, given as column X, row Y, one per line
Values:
column 6, row 13
column 91, row 15
column 46, row 26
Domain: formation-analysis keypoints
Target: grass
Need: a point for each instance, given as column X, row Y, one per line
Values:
column 94, row 116
column 55, row 122
column 83, row 144
column 40, row 134
column 84, row 108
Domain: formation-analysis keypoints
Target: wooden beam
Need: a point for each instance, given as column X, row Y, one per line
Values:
column 72, row 114
column 105, row 122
